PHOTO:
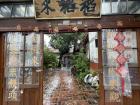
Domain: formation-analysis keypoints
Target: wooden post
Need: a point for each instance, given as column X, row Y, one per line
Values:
column 41, row 73
column 138, row 45
column 101, row 88
column 1, row 67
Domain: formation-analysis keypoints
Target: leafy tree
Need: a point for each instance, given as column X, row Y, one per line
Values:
column 50, row 59
column 64, row 41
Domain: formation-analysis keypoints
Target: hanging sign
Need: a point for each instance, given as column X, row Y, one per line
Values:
column 67, row 9
column 12, row 85
column 122, row 68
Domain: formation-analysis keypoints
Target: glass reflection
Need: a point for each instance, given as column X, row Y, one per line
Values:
column 119, row 7
column 33, row 50
column 30, row 12
column 133, row 7
column 106, row 9
column 5, row 10
column 18, row 10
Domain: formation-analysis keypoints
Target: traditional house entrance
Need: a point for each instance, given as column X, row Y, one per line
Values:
column 28, row 91
column 23, row 71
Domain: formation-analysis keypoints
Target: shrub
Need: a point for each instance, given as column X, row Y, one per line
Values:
column 82, row 65
column 50, row 59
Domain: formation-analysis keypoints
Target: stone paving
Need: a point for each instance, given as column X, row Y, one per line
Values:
column 61, row 88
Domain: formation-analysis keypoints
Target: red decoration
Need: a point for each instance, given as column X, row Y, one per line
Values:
column 123, row 84
column 119, row 37
column 120, row 48
column 122, row 71
column 121, row 59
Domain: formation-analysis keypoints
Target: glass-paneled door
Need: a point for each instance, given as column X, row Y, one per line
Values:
column 22, row 68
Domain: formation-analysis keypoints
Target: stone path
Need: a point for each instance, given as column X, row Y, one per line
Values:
column 61, row 88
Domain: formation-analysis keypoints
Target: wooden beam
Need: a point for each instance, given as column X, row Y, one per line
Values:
column 129, row 21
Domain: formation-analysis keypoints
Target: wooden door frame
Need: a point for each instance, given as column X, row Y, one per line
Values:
column 102, row 98
column 100, row 67
column 106, row 22
column 1, row 67
column 41, row 75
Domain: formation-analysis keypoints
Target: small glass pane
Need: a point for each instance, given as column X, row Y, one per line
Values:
column 111, row 58
column 134, row 7
column 115, row 7
column 5, row 10
column 121, row 7
column 29, row 75
column 18, row 11
column 106, row 8
column 131, row 54
column 30, row 12
column 130, row 39
column 93, row 49
column 14, row 46
column 33, row 50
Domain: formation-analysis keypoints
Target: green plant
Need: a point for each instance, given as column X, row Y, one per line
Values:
column 50, row 59
column 64, row 41
column 82, row 65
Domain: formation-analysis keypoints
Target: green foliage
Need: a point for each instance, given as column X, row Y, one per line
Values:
column 82, row 64
column 63, row 41
column 50, row 59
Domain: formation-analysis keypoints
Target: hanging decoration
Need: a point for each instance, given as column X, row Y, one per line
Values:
column 86, row 28
column 50, row 30
column 118, row 49
column 122, row 68
column 36, row 29
column 75, row 28
column 56, row 29
column 119, row 23
column 18, row 27
column 99, row 26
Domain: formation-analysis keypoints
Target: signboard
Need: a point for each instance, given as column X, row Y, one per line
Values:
column 67, row 9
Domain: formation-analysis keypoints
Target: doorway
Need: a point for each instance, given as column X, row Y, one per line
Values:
column 70, row 69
